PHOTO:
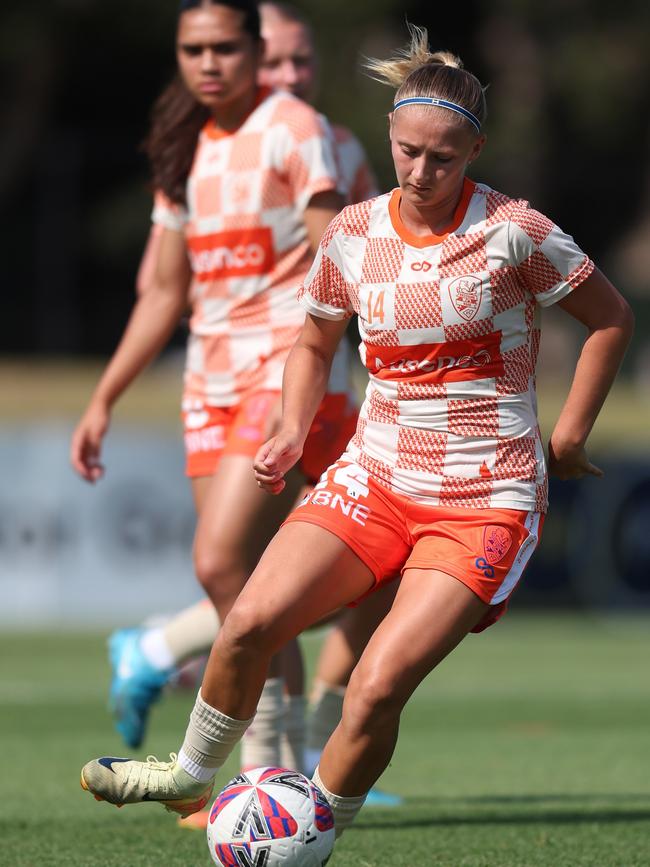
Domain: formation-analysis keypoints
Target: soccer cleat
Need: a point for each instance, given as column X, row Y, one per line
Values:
column 378, row 798
column 195, row 822
column 125, row 781
column 135, row 685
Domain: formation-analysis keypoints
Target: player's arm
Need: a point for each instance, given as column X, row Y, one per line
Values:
column 610, row 323
column 304, row 383
column 319, row 213
column 154, row 317
column 147, row 268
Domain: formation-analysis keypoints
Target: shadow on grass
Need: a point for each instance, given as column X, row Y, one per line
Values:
column 545, row 815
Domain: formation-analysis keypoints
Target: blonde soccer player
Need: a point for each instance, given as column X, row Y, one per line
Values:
column 445, row 481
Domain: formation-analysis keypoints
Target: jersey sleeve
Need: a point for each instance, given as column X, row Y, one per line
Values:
column 548, row 262
column 324, row 293
column 168, row 214
column 364, row 184
column 354, row 167
column 309, row 160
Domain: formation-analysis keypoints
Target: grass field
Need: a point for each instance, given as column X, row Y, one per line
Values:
column 529, row 746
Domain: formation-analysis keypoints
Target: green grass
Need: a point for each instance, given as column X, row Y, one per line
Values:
column 529, row 746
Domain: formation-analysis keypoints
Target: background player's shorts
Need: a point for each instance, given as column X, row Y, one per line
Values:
column 485, row 549
column 212, row 432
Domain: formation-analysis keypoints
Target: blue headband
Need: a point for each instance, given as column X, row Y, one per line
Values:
column 443, row 103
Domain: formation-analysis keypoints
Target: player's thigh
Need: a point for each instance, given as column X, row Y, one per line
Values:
column 236, row 516
column 306, row 572
column 431, row 614
column 200, row 486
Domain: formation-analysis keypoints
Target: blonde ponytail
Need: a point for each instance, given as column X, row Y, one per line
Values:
column 416, row 71
column 397, row 69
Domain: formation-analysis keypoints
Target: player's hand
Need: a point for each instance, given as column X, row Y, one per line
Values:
column 274, row 460
column 86, row 443
column 570, row 462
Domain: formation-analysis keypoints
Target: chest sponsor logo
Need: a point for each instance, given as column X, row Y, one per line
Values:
column 453, row 361
column 421, row 266
column 237, row 253
column 465, row 294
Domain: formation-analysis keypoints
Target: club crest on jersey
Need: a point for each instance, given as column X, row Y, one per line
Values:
column 465, row 294
column 496, row 543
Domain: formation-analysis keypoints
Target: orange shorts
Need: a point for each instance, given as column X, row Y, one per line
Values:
column 486, row 549
column 213, row 431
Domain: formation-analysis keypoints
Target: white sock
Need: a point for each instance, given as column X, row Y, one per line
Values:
column 324, row 716
column 343, row 809
column 209, row 740
column 292, row 739
column 155, row 649
column 192, row 631
column 261, row 745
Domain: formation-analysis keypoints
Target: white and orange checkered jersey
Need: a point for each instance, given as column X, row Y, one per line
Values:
column 356, row 174
column 247, row 244
column 450, row 334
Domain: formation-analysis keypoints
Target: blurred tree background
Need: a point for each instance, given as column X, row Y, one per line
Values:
column 569, row 102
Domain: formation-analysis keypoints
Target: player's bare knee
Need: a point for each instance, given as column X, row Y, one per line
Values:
column 371, row 701
column 247, row 631
column 218, row 572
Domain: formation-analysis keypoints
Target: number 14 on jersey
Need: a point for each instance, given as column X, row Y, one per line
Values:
column 375, row 311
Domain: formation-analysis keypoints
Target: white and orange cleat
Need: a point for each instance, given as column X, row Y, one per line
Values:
column 125, row 781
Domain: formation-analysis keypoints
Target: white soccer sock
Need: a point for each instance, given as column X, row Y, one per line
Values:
column 209, row 740
column 192, row 631
column 188, row 634
column 155, row 649
column 325, row 715
column 261, row 744
column 343, row 809
column 292, row 739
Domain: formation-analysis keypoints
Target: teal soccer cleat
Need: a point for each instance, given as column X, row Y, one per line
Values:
column 379, row 798
column 135, row 685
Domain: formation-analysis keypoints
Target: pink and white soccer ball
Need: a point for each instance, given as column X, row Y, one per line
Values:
column 270, row 816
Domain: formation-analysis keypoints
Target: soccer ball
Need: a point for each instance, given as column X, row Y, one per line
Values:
column 270, row 816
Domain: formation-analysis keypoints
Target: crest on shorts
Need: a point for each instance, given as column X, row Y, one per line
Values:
column 496, row 543
column 465, row 294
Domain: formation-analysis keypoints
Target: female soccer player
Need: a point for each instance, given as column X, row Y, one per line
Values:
column 444, row 481
column 246, row 182
column 144, row 659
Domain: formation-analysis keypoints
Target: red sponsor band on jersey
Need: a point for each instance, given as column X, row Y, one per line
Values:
column 235, row 253
column 452, row 361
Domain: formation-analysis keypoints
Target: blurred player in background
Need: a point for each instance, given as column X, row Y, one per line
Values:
column 145, row 659
column 445, row 480
column 291, row 63
column 246, row 181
